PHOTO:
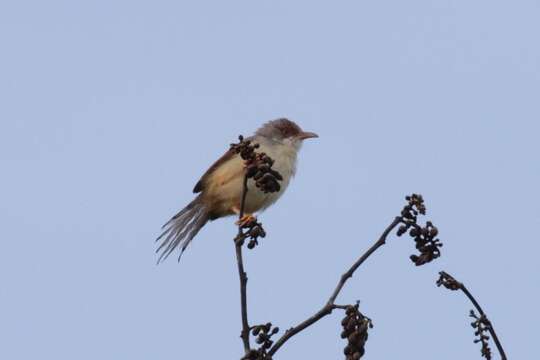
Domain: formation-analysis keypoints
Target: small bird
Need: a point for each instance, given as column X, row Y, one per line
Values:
column 220, row 188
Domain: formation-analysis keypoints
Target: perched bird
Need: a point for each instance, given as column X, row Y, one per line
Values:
column 220, row 188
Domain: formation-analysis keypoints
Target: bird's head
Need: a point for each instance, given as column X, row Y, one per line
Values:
column 285, row 131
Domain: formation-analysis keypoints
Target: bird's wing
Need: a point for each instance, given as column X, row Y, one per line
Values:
column 223, row 159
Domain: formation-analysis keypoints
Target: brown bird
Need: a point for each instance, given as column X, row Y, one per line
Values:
column 220, row 188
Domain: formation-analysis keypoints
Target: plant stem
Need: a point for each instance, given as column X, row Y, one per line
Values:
column 490, row 328
column 242, row 275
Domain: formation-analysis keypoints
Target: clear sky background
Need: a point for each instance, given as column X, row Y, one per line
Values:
column 111, row 110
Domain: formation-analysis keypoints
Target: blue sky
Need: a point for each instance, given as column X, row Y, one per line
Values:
column 111, row 110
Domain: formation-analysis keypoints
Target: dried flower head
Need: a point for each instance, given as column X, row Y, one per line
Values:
column 251, row 229
column 448, row 281
column 482, row 326
column 355, row 330
column 263, row 335
column 425, row 237
column 258, row 166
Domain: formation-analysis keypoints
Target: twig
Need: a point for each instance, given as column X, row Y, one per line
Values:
column 449, row 282
column 242, row 274
column 371, row 250
column 330, row 306
column 490, row 328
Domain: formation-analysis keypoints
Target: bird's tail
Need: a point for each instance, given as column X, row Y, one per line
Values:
column 182, row 228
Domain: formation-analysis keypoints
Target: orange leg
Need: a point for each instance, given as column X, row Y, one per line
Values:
column 246, row 219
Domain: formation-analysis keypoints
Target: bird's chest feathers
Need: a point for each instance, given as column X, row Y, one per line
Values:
column 285, row 163
column 284, row 160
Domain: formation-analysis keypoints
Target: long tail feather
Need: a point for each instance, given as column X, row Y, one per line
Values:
column 181, row 229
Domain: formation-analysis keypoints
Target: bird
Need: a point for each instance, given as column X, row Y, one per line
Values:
column 221, row 186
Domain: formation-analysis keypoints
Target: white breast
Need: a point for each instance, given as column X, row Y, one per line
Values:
column 284, row 156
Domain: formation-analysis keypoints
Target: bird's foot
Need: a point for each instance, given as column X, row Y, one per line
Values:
column 246, row 220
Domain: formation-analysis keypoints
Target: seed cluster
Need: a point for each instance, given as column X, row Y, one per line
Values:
column 355, row 330
column 263, row 335
column 258, row 166
column 252, row 230
column 448, row 281
column 481, row 324
column 424, row 237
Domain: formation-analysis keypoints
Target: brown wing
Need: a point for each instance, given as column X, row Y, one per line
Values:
column 226, row 157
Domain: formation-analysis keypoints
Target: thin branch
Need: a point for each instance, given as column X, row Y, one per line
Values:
column 360, row 261
column 329, row 306
column 242, row 274
column 451, row 283
column 490, row 328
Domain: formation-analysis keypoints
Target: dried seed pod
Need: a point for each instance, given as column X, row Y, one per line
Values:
column 264, row 334
column 424, row 236
column 355, row 330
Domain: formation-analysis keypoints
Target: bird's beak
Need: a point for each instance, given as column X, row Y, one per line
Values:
column 307, row 135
